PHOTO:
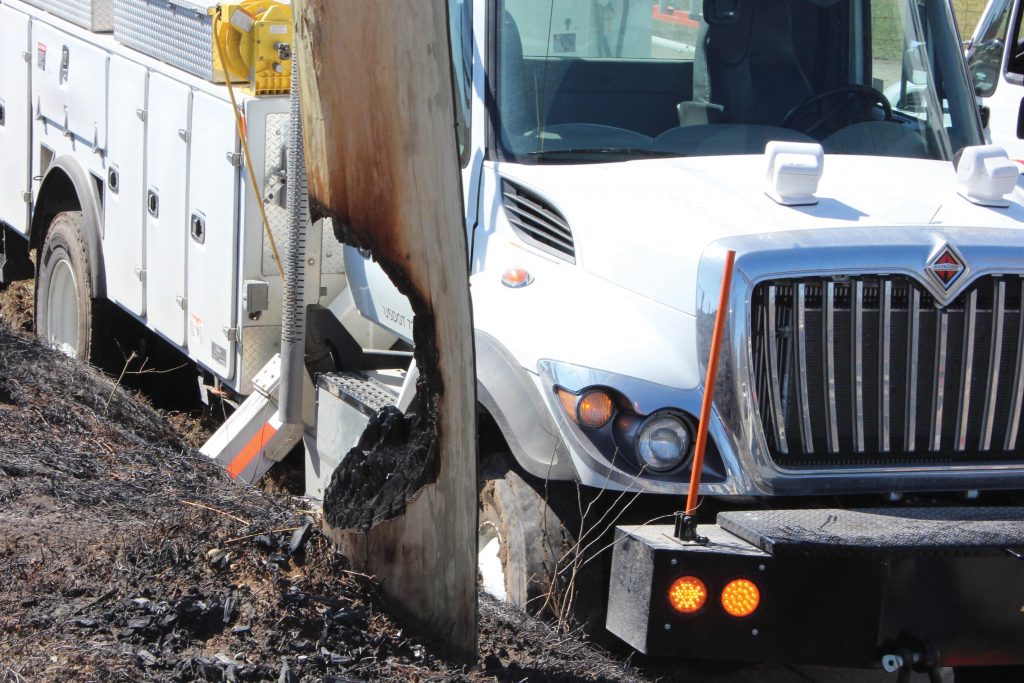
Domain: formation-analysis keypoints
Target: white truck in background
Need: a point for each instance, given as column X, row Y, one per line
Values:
column 995, row 58
column 870, row 403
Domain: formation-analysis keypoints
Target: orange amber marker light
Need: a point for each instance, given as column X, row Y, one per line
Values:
column 516, row 278
column 568, row 401
column 687, row 594
column 740, row 598
column 595, row 409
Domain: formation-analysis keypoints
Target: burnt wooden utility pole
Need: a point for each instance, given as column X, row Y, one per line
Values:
column 379, row 128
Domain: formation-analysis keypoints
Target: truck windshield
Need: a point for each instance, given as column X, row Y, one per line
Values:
column 602, row 80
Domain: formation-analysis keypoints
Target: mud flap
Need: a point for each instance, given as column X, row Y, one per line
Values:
column 14, row 258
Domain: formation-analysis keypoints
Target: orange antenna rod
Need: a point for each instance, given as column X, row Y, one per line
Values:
column 709, row 385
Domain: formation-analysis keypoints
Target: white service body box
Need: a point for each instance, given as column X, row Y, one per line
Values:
column 69, row 84
column 213, row 187
column 124, row 205
column 15, row 118
column 167, row 153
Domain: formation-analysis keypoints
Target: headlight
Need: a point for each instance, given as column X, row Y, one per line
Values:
column 663, row 442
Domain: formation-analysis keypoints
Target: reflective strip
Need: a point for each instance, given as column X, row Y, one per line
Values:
column 252, row 449
column 994, row 362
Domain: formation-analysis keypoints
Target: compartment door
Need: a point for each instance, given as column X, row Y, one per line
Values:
column 213, row 236
column 124, row 207
column 69, row 84
column 15, row 123
column 167, row 152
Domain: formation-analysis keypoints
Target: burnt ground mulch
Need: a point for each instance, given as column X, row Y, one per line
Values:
column 125, row 556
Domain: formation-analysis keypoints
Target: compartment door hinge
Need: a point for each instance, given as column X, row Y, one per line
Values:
column 230, row 333
column 234, row 158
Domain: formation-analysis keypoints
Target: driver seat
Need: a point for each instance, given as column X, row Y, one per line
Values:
column 747, row 71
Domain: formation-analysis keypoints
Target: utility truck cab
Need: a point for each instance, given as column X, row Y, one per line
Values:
column 610, row 162
column 874, row 338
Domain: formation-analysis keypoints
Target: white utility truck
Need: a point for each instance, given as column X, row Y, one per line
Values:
column 995, row 58
column 866, row 445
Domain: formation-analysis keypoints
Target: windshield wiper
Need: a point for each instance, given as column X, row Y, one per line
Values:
column 601, row 151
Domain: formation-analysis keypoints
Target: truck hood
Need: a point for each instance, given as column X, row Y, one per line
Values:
column 644, row 224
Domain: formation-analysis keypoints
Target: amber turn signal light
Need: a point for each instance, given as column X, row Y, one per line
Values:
column 595, row 409
column 687, row 594
column 740, row 598
column 568, row 401
column 592, row 410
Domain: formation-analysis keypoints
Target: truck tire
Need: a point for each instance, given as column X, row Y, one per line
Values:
column 66, row 314
column 527, row 550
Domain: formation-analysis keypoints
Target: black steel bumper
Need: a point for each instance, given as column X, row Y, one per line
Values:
column 838, row 587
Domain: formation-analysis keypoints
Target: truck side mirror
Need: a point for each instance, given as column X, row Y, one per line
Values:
column 721, row 11
column 1020, row 120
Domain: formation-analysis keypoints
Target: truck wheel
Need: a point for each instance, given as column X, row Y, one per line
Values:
column 527, row 550
column 65, row 312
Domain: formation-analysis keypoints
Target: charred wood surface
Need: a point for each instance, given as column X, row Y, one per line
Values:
column 379, row 128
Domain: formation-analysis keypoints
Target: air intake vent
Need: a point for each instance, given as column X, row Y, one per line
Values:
column 537, row 222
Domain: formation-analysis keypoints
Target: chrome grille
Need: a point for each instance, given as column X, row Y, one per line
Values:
column 871, row 371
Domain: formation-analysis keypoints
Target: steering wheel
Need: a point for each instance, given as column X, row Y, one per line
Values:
column 822, row 114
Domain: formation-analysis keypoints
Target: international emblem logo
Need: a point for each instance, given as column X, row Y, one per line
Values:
column 946, row 268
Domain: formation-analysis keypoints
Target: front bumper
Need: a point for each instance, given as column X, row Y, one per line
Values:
column 838, row 587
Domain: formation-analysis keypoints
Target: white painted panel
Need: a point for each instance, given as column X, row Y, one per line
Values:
column 376, row 296
column 167, row 149
column 213, row 236
column 15, row 133
column 124, row 221
column 69, row 84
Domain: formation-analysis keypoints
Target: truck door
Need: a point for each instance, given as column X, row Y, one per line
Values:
column 124, row 206
column 212, row 235
column 996, row 62
column 167, row 150
column 15, row 127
